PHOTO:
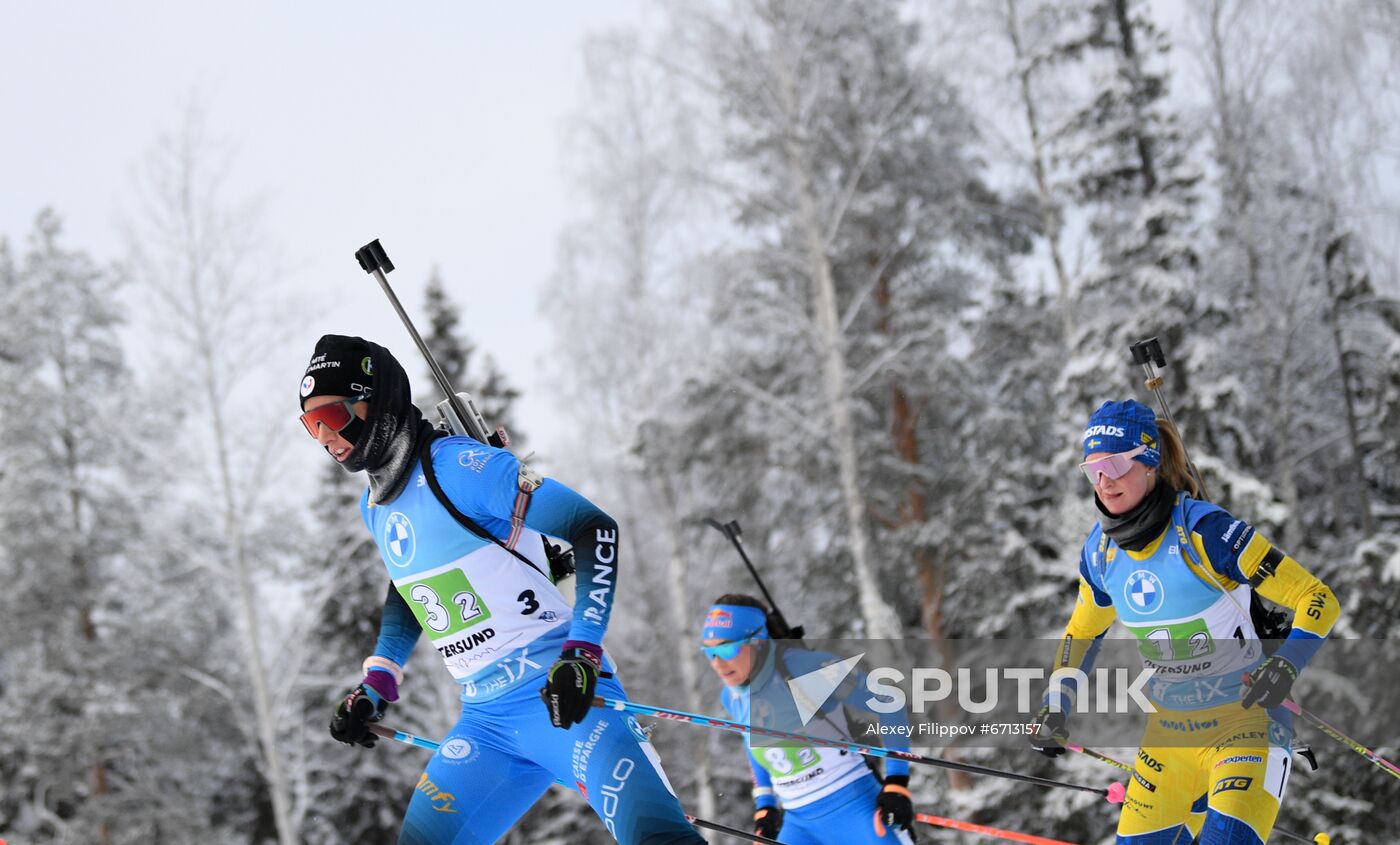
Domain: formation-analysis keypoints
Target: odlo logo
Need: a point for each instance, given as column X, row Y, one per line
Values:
column 612, row 792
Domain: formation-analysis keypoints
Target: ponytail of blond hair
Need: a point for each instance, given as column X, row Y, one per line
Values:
column 1174, row 468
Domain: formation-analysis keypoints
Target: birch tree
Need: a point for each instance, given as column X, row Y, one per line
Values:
column 192, row 249
column 869, row 225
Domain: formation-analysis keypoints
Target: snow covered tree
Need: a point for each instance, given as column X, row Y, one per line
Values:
column 1129, row 160
column 866, row 226
column 62, row 362
column 1290, row 252
column 103, row 728
column 190, row 250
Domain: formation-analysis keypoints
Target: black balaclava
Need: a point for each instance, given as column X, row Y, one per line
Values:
column 1136, row 529
column 340, row 366
column 386, row 443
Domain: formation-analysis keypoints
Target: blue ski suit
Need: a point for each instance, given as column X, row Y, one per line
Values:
column 828, row 795
column 499, row 623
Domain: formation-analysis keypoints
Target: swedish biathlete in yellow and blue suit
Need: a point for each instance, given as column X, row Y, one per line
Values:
column 1179, row 573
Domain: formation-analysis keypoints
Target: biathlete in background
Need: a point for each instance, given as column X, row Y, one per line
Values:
column 1179, row 573
column 828, row 796
column 491, row 611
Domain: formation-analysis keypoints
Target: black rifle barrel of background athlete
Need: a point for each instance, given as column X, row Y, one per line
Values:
column 1146, row 353
column 732, row 531
column 374, row 261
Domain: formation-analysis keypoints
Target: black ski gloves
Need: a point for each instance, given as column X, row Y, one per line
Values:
column 360, row 706
column 895, row 806
column 1270, row 683
column 1051, row 731
column 767, row 821
column 571, row 682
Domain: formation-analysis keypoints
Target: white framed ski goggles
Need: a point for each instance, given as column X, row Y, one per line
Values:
column 1113, row 466
column 727, row 650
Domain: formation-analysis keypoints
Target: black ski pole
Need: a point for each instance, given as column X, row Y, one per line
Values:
column 732, row 531
column 730, row 831
column 458, row 409
column 1148, row 354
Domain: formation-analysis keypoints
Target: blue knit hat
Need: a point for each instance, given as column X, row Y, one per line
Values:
column 1122, row 427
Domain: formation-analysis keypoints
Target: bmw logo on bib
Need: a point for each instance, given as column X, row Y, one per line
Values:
column 398, row 539
column 1144, row 592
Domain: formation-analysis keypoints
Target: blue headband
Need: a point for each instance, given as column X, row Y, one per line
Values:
column 1122, row 427
column 734, row 622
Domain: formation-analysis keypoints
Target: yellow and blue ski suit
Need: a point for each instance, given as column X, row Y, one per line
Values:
column 1185, row 597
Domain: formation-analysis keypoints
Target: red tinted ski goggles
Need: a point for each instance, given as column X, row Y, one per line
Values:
column 726, row 651
column 334, row 416
column 1113, row 466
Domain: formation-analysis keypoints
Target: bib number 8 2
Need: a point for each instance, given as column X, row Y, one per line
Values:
column 786, row 761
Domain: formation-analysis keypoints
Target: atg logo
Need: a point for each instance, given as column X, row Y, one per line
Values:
column 1230, row 783
column 398, row 539
column 1144, row 592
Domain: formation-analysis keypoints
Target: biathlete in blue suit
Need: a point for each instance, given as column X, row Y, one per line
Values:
column 475, row 580
column 828, row 796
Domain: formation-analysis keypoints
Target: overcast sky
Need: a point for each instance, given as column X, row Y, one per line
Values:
column 436, row 127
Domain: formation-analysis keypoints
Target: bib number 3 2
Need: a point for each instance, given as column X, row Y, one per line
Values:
column 445, row 604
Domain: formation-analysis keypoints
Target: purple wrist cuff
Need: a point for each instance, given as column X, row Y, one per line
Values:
column 593, row 649
column 382, row 682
